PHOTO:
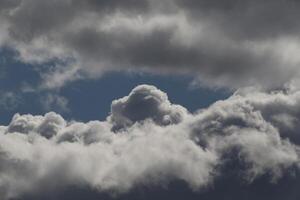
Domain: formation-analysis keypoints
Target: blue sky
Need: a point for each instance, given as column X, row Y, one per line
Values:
column 91, row 99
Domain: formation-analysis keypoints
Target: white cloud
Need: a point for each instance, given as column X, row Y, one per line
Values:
column 40, row 153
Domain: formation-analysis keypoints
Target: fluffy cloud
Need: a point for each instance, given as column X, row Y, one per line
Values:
column 229, row 44
column 145, row 102
column 42, row 153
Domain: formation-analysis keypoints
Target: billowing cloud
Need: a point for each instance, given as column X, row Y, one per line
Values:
column 153, row 146
column 230, row 44
column 145, row 102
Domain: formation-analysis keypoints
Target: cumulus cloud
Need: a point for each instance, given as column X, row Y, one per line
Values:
column 145, row 102
column 231, row 44
column 155, row 142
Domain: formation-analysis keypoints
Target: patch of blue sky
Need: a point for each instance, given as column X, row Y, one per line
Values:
column 89, row 99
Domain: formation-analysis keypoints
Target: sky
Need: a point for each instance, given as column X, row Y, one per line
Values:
column 20, row 97
column 146, row 99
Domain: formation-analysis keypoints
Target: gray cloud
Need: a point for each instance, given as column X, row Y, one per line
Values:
column 145, row 102
column 7, row 4
column 281, row 108
column 248, row 19
column 234, row 44
column 45, row 153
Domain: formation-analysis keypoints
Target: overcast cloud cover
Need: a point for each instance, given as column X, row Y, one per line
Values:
column 250, row 47
column 233, row 43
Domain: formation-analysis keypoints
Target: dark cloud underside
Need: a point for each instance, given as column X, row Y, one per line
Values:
column 231, row 44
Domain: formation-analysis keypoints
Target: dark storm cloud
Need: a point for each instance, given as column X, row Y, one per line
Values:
column 38, row 18
column 8, row 4
column 230, row 44
column 247, row 19
column 234, row 141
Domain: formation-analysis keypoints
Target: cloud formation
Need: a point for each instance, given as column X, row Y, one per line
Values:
column 145, row 102
column 230, row 44
column 153, row 146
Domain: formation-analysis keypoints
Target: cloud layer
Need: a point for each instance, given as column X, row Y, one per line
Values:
column 140, row 146
column 231, row 44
